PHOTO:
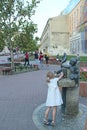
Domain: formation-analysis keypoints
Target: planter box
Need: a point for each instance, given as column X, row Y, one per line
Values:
column 83, row 89
column 86, row 125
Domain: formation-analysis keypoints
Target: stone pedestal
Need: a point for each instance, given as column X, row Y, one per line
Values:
column 72, row 101
column 70, row 95
column 70, row 87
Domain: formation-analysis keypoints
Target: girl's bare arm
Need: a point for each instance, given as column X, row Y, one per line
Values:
column 61, row 75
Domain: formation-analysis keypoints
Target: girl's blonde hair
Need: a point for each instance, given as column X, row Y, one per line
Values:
column 50, row 75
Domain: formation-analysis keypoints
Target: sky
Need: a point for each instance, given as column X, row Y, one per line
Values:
column 47, row 9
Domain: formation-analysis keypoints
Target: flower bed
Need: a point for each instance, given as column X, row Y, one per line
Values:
column 83, row 73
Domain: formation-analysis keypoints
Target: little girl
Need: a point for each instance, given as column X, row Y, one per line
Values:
column 54, row 98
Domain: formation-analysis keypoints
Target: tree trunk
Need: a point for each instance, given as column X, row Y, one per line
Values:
column 12, row 60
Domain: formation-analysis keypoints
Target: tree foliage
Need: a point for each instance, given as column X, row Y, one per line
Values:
column 16, row 27
column 25, row 39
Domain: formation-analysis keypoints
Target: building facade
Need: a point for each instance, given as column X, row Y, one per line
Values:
column 72, row 4
column 67, row 32
column 55, row 36
column 77, row 36
column 85, row 24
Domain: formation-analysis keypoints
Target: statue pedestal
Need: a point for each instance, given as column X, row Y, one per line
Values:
column 70, row 95
column 72, row 101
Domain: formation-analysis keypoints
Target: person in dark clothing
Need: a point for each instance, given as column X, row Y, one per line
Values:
column 46, row 58
column 26, row 58
column 36, row 57
column 57, row 57
column 41, row 58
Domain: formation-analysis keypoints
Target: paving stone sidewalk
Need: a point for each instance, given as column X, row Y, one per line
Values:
column 20, row 96
column 62, row 122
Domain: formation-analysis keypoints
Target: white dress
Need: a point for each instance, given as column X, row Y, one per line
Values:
column 53, row 96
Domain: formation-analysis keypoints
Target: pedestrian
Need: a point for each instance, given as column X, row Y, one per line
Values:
column 41, row 59
column 57, row 57
column 78, row 57
column 26, row 58
column 46, row 58
column 54, row 97
column 36, row 57
column 64, row 58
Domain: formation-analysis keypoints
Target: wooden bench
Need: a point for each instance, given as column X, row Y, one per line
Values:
column 6, row 70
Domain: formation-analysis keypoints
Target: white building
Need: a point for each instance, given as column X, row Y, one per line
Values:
column 55, row 36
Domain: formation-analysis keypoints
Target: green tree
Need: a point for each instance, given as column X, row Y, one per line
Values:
column 25, row 40
column 2, row 43
column 15, row 17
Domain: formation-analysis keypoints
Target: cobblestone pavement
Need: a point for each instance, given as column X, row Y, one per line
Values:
column 20, row 96
column 62, row 122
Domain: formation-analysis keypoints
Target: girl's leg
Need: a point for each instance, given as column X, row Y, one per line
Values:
column 54, row 113
column 47, row 112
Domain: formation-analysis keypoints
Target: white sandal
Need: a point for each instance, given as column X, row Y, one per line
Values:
column 46, row 122
column 52, row 123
